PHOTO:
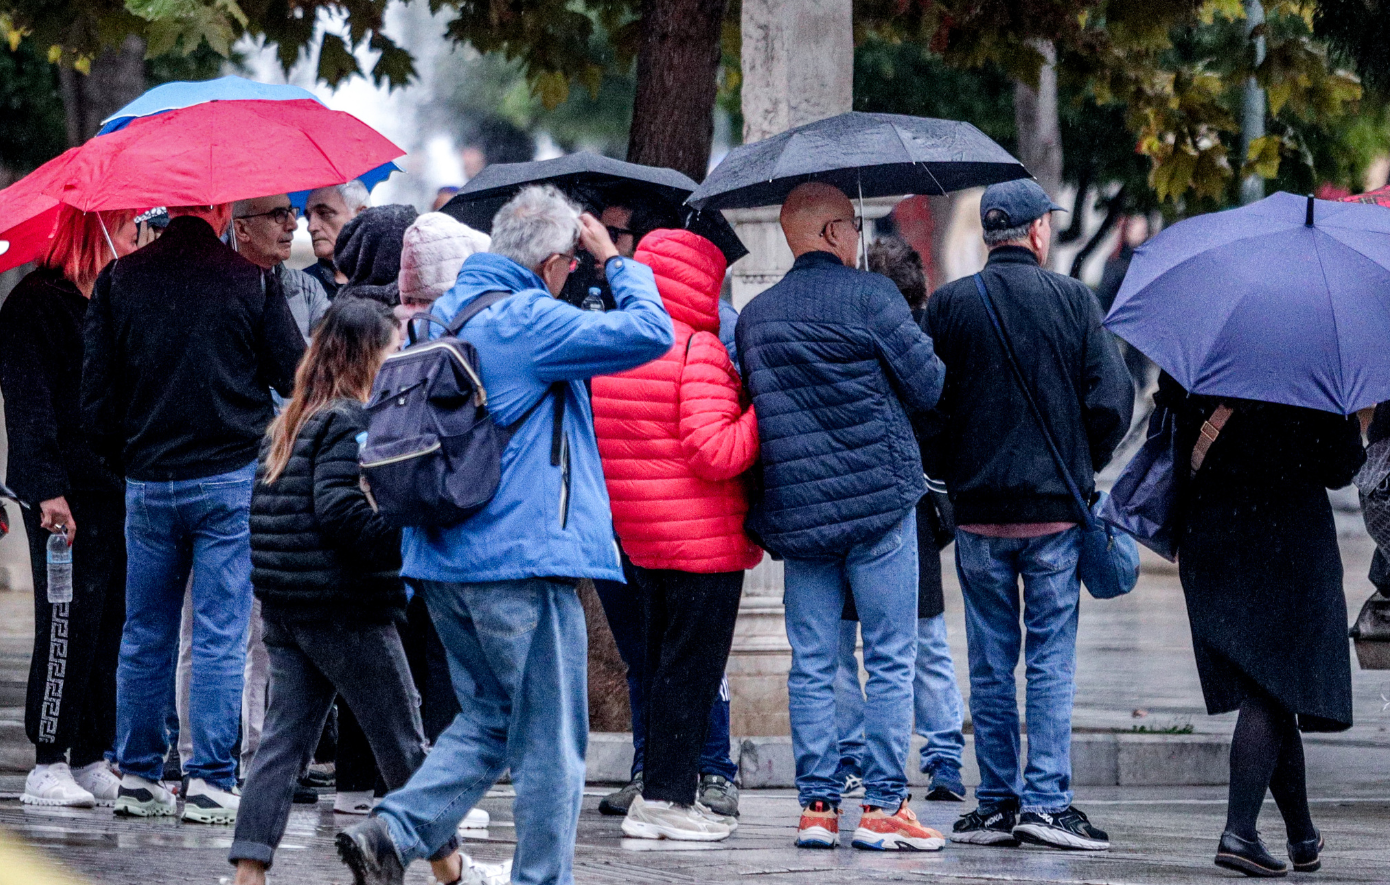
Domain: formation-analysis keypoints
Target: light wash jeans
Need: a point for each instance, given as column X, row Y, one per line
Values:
column 171, row 528
column 995, row 619
column 882, row 575
column 518, row 655
column 937, row 706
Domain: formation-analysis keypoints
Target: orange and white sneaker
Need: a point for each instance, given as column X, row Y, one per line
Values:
column 881, row 831
column 819, row 827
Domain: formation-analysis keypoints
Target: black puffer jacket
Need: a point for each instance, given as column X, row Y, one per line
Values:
column 318, row 549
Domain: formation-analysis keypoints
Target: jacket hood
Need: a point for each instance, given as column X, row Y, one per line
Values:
column 368, row 251
column 486, row 272
column 689, row 273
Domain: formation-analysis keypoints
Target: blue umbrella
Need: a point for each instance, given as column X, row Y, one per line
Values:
column 183, row 94
column 1286, row 300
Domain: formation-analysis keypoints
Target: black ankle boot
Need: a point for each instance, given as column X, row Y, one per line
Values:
column 1248, row 856
column 1304, row 855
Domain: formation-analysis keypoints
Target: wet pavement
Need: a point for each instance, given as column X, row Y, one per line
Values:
column 1160, row 835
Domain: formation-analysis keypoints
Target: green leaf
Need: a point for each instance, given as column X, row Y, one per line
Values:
column 336, row 61
column 1263, row 156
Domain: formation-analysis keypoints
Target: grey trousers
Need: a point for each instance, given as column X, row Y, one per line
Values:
column 310, row 664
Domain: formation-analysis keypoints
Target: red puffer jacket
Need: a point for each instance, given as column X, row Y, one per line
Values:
column 673, row 434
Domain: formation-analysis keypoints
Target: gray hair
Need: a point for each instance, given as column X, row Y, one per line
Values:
column 535, row 224
column 1007, row 235
column 354, row 194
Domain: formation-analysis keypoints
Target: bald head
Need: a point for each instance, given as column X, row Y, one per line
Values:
column 819, row 217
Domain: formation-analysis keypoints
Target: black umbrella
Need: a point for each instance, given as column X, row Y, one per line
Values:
column 593, row 179
column 864, row 155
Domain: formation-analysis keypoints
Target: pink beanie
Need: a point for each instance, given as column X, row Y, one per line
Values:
column 432, row 253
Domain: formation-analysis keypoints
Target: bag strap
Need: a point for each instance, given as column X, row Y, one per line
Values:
column 1211, row 429
column 1032, row 403
column 475, row 307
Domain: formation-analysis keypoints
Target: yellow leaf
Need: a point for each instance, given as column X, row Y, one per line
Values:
column 1227, row 9
column 1278, row 95
column 1262, row 157
column 55, row 53
column 552, row 88
column 82, row 64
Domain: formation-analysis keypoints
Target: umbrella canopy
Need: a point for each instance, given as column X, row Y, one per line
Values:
column 589, row 178
column 1379, row 197
column 28, row 215
column 219, row 152
column 870, row 155
column 187, row 93
column 1286, row 300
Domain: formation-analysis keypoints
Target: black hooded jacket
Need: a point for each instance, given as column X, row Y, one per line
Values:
column 319, row 551
column 368, row 252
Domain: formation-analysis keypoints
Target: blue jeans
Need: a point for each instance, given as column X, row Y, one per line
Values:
column 518, row 655
column 172, row 527
column 989, row 570
column 882, row 575
column 623, row 609
column 937, row 706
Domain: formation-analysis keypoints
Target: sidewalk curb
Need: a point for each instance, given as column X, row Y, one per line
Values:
column 1097, row 760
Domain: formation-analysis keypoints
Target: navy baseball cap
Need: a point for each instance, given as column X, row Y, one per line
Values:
column 1021, row 201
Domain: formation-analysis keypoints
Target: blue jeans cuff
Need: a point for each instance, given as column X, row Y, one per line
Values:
column 1045, row 809
column 243, row 850
column 886, row 802
column 408, row 848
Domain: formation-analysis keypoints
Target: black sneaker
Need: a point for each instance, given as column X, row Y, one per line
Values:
column 1066, row 829
column 986, row 825
column 367, row 850
column 946, row 785
column 617, row 803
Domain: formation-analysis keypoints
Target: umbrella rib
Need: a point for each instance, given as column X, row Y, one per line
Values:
column 907, row 153
column 1332, row 307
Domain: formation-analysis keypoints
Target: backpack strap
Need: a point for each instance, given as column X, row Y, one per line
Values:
column 1211, row 429
column 475, row 307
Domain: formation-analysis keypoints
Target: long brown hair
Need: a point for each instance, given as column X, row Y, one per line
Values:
column 341, row 363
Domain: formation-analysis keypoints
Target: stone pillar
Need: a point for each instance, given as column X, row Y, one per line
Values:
column 798, row 67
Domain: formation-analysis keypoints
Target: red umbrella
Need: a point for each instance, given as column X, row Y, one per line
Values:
column 220, row 152
column 1379, row 196
column 28, row 215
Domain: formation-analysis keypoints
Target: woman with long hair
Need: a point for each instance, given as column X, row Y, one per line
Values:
column 70, row 709
column 326, row 568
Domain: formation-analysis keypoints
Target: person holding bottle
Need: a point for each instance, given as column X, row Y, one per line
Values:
column 76, row 511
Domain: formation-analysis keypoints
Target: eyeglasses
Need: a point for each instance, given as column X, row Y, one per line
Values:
column 857, row 222
column 615, row 232
column 279, row 215
column 573, row 262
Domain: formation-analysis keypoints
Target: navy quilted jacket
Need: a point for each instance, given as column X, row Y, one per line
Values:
column 832, row 356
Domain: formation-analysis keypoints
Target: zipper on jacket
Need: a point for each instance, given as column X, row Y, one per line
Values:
column 481, row 397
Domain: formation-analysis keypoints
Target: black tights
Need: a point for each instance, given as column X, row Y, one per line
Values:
column 1267, row 752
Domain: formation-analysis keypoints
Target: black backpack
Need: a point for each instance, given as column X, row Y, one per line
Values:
column 433, row 455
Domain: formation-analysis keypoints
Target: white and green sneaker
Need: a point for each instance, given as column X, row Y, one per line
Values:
column 208, row 804
column 138, row 797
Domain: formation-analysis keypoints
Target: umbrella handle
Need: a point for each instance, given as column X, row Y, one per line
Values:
column 863, row 244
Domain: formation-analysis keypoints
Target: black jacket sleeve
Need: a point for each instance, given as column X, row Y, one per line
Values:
column 30, row 422
column 279, row 341
column 1107, row 393
column 344, row 514
column 101, row 406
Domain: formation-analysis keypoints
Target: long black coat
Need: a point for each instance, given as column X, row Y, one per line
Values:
column 1258, row 556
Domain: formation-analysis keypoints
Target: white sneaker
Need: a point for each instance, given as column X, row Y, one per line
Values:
column 478, row 873
column 54, row 785
column 99, row 780
column 209, row 804
column 355, row 802
column 667, row 820
column 725, row 819
column 138, row 797
column 475, row 819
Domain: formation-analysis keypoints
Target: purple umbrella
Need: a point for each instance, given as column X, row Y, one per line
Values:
column 1286, row 300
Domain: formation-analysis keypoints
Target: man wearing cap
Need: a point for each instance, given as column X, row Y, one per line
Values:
column 1015, row 514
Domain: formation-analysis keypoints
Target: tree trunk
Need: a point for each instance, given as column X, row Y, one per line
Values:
column 117, row 77
column 677, row 81
column 1039, row 128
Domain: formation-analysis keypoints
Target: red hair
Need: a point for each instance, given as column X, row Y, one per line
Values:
column 80, row 248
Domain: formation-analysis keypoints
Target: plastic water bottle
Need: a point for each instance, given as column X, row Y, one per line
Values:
column 593, row 301
column 59, row 568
